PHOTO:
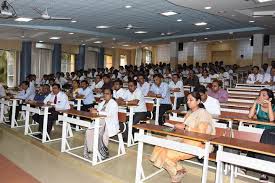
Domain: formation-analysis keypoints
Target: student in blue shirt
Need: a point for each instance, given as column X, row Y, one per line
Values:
column 161, row 89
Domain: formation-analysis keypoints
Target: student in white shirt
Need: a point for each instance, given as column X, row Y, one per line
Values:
column 118, row 91
column 109, row 126
column 87, row 94
column 255, row 77
column 161, row 89
column 26, row 93
column 176, row 87
column 205, row 79
column 97, row 84
column 143, row 85
column 59, row 101
column 266, row 78
column 211, row 104
column 134, row 96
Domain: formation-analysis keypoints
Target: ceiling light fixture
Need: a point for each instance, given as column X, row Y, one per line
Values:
column 41, row 41
column 251, row 21
column 98, row 42
column 207, row 7
column 71, row 33
column 128, row 6
column 231, row 32
column 207, row 28
column 169, row 13
column 103, row 27
column 205, row 38
column 200, row 23
column 140, row 32
column 263, row 1
column 23, row 19
column 179, row 20
column 163, row 34
column 125, row 45
column 54, row 38
column 73, row 21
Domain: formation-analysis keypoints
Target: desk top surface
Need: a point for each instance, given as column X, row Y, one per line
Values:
column 177, row 133
column 245, row 145
column 83, row 114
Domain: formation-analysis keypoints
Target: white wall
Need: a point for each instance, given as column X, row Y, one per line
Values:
column 163, row 53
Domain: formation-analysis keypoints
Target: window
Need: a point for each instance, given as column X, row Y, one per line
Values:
column 8, row 67
column 67, row 62
column 148, row 56
column 108, row 61
column 123, row 60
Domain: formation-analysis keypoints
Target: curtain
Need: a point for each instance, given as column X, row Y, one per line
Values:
column 41, row 62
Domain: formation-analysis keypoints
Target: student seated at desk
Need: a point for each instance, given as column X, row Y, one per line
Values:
column 118, row 91
column 143, row 85
column 176, row 86
column 197, row 120
column 43, row 92
column 161, row 89
column 26, row 93
column 75, row 89
column 217, row 92
column 86, row 93
column 97, row 84
column 109, row 126
column 211, row 104
column 263, row 108
column 134, row 96
column 60, row 102
column 255, row 77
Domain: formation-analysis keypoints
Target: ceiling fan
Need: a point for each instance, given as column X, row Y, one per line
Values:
column 44, row 15
column 7, row 10
column 264, row 13
column 130, row 27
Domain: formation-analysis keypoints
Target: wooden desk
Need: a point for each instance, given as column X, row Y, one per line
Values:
column 40, row 109
column 157, row 104
column 131, row 107
column 236, row 104
column 240, row 160
column 88, row 124
column 170, row 144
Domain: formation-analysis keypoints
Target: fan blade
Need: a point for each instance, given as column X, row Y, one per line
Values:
column 60, row 18
column 40, row 12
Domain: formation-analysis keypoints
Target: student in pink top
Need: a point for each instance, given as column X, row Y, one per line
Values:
column 217, row 92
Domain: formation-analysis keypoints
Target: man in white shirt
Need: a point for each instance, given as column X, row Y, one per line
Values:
column 205, row 79
column 176, row 87
column 134, row 96
column 211, row 104
column 97, row 84
column 86, row 93
column 143, row 85
column 161, row 90
column 26, row 93
column 59, row 101
column 255, row 77
column 118, row 92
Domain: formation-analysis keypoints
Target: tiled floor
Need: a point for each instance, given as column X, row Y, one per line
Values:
column 46, row 163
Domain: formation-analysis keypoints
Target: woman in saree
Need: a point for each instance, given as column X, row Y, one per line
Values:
column 198, row 120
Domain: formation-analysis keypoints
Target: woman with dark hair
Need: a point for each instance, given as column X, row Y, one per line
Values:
column 198, row 120
column 263, row 108
column 109, row 125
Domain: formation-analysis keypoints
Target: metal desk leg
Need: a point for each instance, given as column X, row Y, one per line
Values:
column 95, row 145
column 14, row 102
column 64, row 133
column 205, row 162
column 130, row 140
column 27, row 120
column 157, row 112
column 139, row 170
column 45, row 124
